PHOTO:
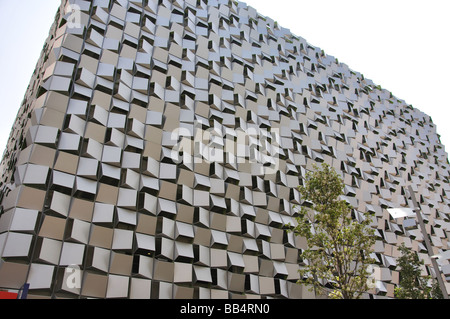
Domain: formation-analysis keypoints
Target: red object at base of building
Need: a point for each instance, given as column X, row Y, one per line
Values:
column 8, row 295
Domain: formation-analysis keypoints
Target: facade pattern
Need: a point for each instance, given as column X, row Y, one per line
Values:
column 159, row 146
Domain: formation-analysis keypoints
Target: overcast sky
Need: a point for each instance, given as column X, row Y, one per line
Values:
column 24, row 27
column 402, row 45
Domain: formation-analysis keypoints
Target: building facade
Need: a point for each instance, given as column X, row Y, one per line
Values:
column 159, row 146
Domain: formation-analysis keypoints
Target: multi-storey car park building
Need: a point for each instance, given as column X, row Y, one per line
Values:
column 160, row 143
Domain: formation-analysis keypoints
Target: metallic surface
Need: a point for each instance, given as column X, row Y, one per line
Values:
column 159, row 146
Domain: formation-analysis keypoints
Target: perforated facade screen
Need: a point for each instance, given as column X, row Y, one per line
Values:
column 159, row 147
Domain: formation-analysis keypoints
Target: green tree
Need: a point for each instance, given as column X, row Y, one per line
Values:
column 338, row 245
column 412, row 284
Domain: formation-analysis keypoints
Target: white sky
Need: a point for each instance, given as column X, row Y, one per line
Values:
column 24, row 27
column 401, row 45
